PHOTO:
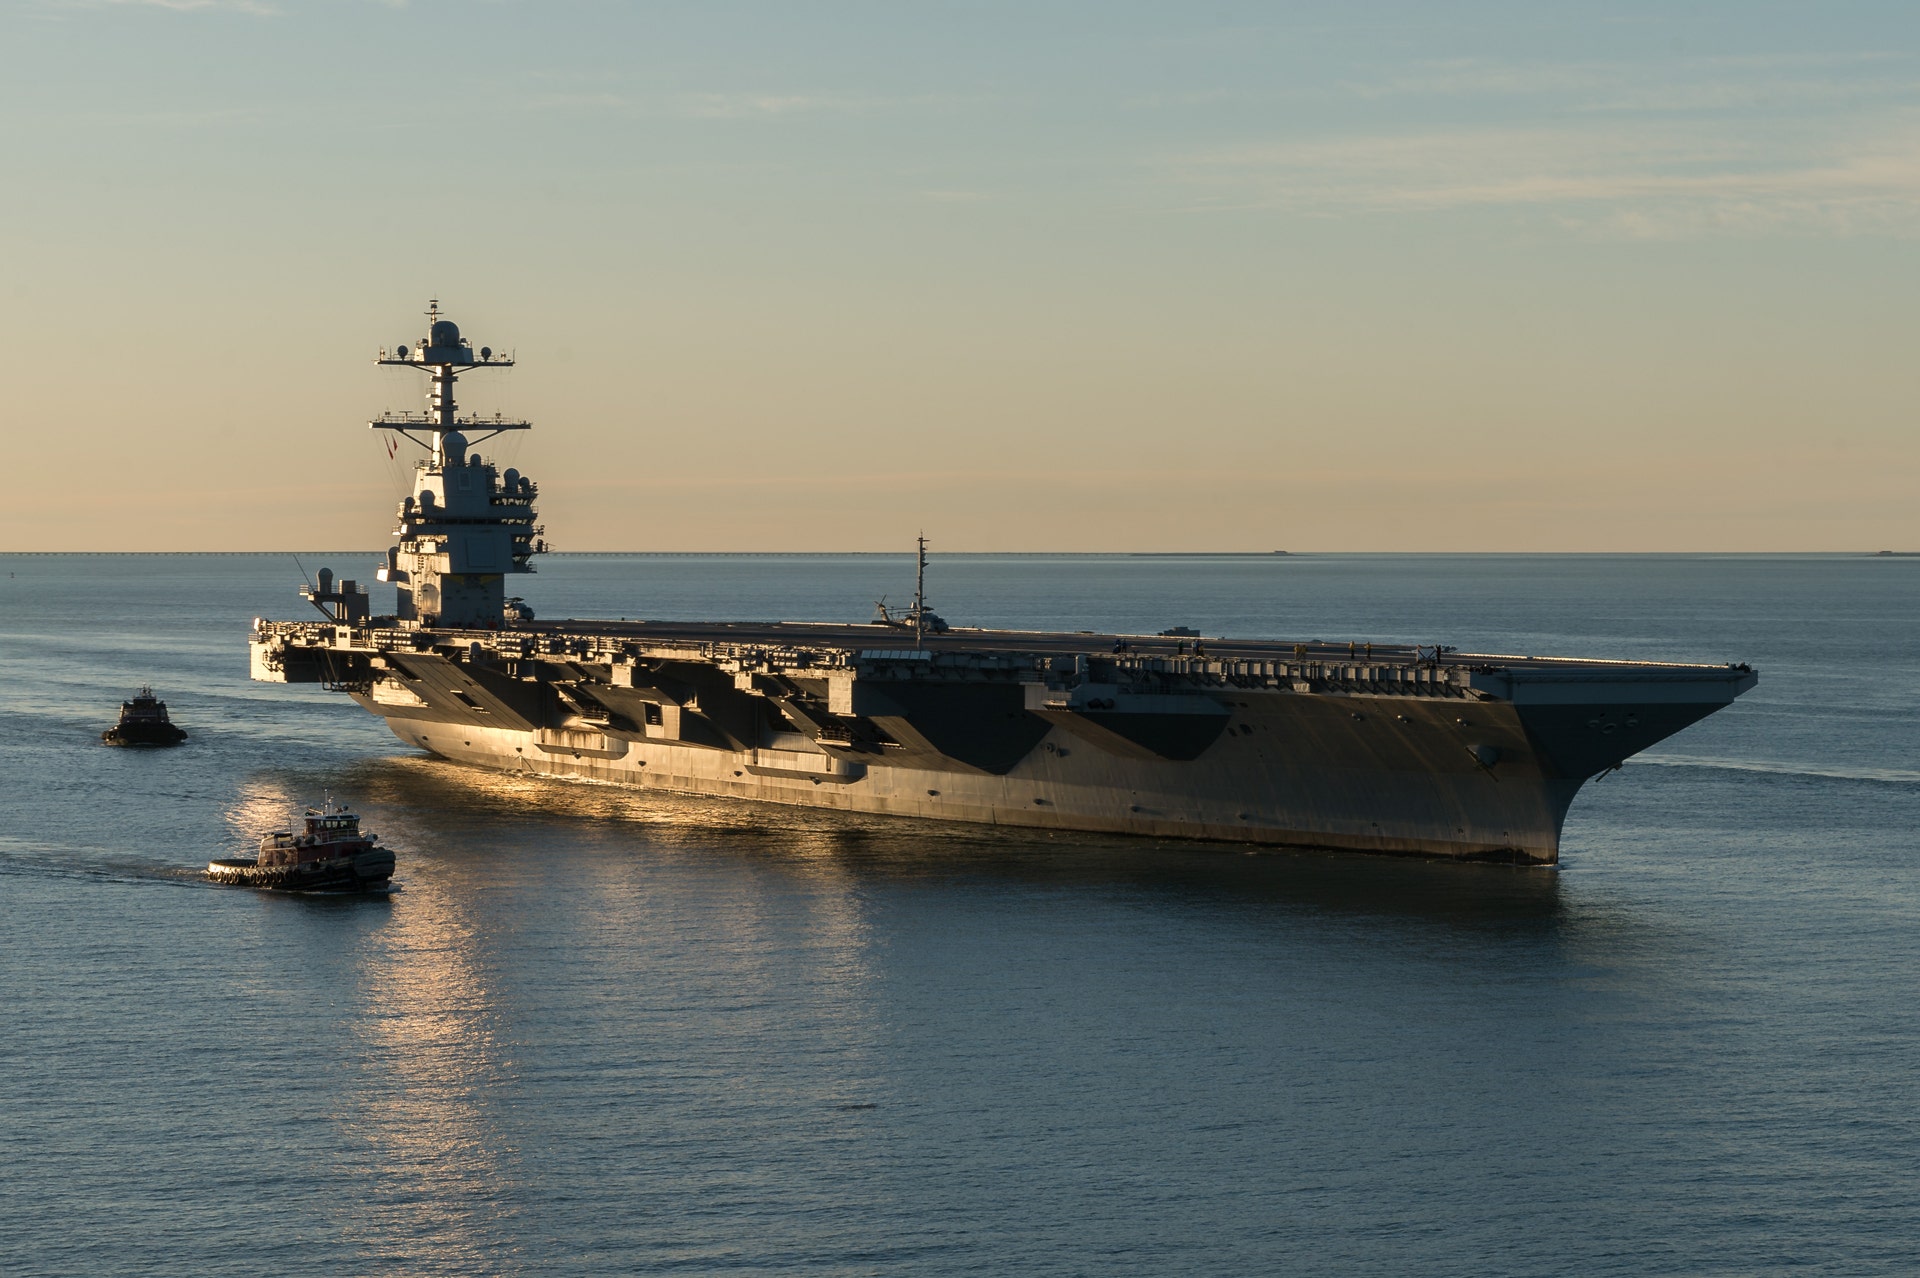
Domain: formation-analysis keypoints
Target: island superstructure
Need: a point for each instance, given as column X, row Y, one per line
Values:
column 1423, row 751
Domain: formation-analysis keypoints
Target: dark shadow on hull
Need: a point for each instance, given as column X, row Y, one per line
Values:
column 468, row 808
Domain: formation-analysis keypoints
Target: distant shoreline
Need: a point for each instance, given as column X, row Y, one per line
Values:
column 1201, row 554
column 1274, row 555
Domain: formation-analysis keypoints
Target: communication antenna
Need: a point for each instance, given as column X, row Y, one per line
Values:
column 312, row 594
column 920, row 594
column 445, row 356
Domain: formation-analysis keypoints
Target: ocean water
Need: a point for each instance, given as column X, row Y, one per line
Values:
column 607, row 1032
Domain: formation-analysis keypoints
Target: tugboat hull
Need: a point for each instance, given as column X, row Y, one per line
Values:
column 164, row 734
column 368, row 871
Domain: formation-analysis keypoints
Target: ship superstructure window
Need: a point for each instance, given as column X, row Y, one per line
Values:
column 653, row 714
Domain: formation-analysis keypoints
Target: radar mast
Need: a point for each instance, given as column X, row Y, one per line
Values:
column 444, row 354
column 465, row 525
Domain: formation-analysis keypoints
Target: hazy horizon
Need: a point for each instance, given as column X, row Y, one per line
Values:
column 973, row 553
column 1066, row 278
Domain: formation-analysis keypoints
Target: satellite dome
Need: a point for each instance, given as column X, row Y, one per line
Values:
column 454, row 445
column 444, row 333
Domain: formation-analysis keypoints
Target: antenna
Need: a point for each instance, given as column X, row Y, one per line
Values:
column 920, row 594
column 444, row 355
column 312, row 594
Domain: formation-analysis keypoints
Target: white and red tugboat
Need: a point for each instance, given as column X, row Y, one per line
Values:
column 331, row 856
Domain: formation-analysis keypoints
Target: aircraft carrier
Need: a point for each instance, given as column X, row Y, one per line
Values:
column 1422, row 751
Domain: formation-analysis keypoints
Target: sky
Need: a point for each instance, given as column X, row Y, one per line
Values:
column 1026, row 276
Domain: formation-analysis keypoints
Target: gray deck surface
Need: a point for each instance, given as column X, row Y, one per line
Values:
column 853, row 636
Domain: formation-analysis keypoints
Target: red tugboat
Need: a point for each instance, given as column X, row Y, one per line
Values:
column 144, row 722
column 332, row 856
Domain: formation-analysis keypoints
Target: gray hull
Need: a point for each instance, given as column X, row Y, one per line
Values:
column 1263, row 743
column 1252, row 798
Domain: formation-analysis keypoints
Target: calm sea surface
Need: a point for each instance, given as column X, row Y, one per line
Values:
column 605, row 1032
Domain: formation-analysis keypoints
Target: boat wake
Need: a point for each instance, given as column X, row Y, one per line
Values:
column 1888, row 776
column 39, row 860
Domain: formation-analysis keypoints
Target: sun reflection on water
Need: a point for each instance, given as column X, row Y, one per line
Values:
column 446, row 1176
column 264, row 804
